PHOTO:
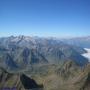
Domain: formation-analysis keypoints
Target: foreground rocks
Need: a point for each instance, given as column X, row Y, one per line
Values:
column 69, row 76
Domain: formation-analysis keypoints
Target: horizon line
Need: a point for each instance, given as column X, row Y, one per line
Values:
column 62, row 37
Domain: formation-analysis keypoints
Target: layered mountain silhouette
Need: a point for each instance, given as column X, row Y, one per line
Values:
column 79, row 41
column 22, row 51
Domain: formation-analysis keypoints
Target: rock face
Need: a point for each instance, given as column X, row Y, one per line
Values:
column 86, row 85
column 17, row 82
column 22, row 51
column 8, row 80
column 67, row 76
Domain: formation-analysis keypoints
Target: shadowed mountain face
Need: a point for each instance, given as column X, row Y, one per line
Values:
column 29, row 83
column 21, row 52
column 86, row 85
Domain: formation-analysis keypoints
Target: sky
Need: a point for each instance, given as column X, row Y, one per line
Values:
column 47, row 18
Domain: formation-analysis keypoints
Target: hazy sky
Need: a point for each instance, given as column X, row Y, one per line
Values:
column 58, row 18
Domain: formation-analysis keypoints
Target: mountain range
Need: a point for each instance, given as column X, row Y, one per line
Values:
column 38, row 63
column 83, row 42
column 23, row 51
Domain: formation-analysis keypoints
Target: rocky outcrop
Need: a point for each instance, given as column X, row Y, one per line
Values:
column 17, row 81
